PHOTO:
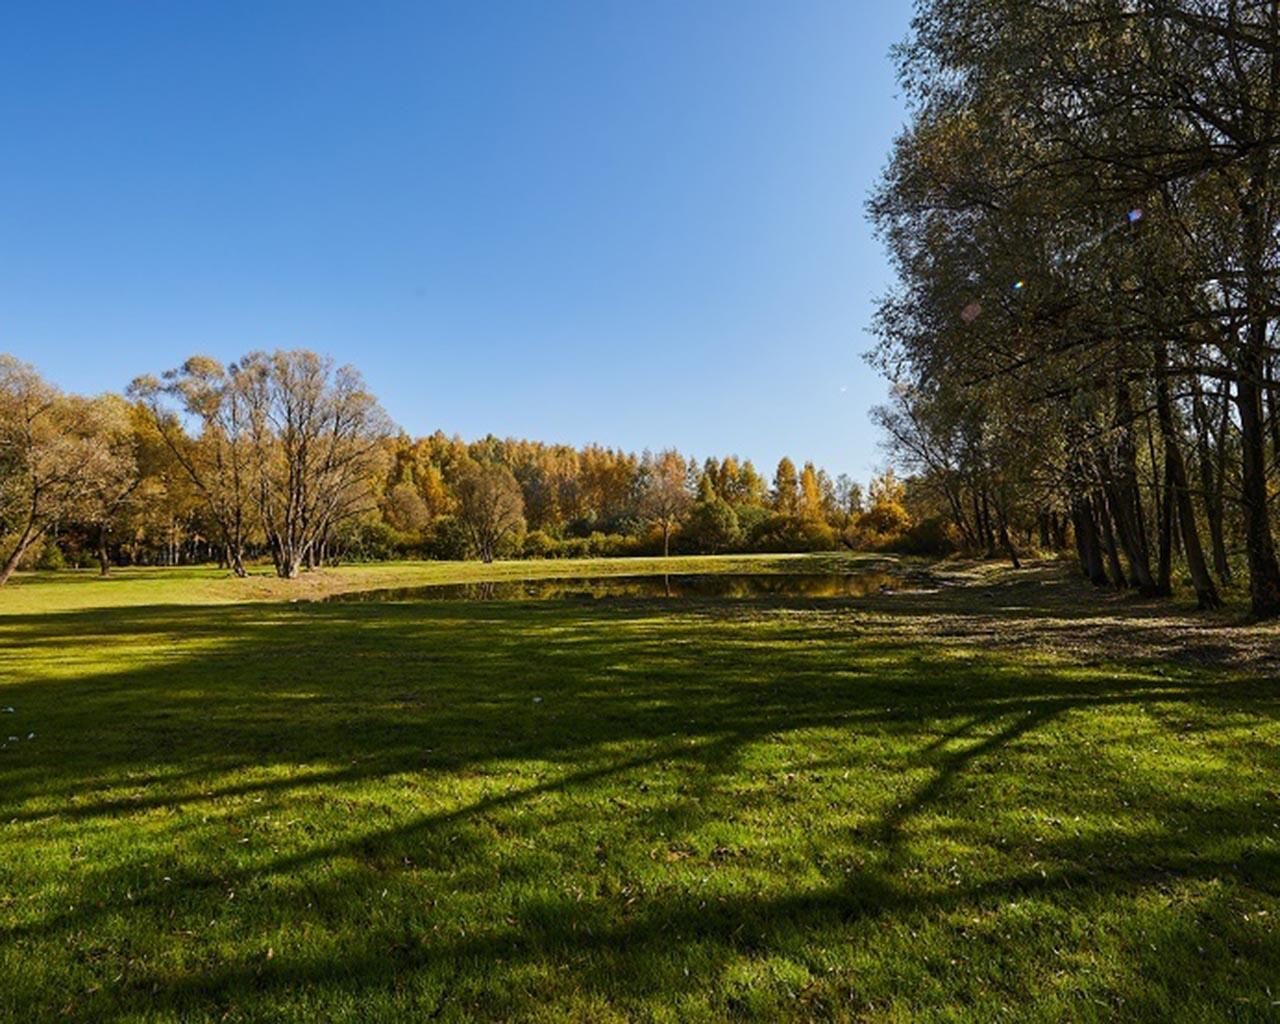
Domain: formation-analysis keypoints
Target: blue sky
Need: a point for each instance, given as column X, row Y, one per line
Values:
column 639, row 224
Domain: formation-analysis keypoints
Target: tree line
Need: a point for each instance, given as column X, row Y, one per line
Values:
column 1082, row 214
column 286, row 458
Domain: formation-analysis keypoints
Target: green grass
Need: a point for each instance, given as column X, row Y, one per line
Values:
column 78, row 590
column 1007, row 800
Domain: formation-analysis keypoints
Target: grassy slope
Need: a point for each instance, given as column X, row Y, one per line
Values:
column 891, row 808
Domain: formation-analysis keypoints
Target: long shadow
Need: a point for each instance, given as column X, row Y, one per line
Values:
column 326, row 699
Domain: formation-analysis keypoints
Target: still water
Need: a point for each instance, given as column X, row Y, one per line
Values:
column 585, row 588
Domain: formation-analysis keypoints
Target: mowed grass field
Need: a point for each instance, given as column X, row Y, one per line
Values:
column 1010, row 799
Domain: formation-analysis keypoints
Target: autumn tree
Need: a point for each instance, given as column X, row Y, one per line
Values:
column 219, row 459
column 665, row 498
column 1084, row 214
column 405, row 509
column 490, row 507
column 55, row 454
column 109, row 500
column 316, row 435
column 786, row 488
column 812, row 503
column 712, row 523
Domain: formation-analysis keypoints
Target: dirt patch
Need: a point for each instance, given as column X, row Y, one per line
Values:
column 1045, row 607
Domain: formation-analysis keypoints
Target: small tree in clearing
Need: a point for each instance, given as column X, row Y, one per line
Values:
column 665, row 498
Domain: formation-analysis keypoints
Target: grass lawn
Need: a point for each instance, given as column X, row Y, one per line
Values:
column 1013, row 798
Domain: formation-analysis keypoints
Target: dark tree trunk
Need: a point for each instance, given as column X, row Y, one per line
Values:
column 954, row 502
column 977, row 518
column 1210, row 487
column 1264, row 571
column 1006, row 539
column 1164, row 577
column 1176, row 484
column 104, row 560
column 988, row 534
column 1109, row 543
column 1273, row 411
column 1059, row 525
column 1121, row 484
column 1087, row 546
column 28, row 537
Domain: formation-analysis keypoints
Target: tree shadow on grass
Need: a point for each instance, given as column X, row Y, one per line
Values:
column 653, row 724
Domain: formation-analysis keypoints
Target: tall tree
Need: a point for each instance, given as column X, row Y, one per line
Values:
column 108, row 502
column 1078, row 183
column 317, row 437
column 219, row 459
column 55, row 453
column 786, row 488
column 665, row 499
column 490, row 507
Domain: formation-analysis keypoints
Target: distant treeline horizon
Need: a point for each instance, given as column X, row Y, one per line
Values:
column 286, row 458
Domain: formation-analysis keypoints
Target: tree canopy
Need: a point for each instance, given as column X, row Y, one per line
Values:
column 1082, row 214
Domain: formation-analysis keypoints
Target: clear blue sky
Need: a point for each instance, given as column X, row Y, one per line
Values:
column 633, row 223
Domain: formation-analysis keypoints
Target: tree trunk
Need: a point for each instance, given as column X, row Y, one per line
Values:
column 104, row 560
column 1176, row 484
column 988, row 534
column 1005, row 539
column 1109, row 539
column 1273, row 411
column 1087, row 546
column 1059, row 526
column 27, row 538
column 1211, row 489
column 977, row 518
column 1164, row 577
column 954, row 501
column 1123, row 496
column 1264, row 571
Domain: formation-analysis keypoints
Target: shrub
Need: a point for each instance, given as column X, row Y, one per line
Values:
column 540, row 544
column 446, row 540
column 375, row 540
column 818, row 535
column 575, row 547
column 51, row 557
column 780, row 532
column 617, row 545
column 712, row 526
column 933, row 536
column 887, row 518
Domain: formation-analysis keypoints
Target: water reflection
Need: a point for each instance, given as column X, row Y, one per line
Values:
column 590, row 588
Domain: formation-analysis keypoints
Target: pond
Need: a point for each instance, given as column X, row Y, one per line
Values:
column 675, row 585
